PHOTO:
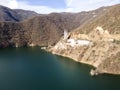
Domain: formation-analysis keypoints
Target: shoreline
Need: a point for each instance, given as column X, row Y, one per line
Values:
column 93, row 72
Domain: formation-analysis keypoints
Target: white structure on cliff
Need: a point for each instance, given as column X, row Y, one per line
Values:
column 65, row 34
column 16, row 45
column 73, row 42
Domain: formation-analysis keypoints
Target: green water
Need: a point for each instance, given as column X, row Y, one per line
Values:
column 34, row 69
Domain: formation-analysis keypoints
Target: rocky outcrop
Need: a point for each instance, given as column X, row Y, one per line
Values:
column 98, row 48
column 101, row 47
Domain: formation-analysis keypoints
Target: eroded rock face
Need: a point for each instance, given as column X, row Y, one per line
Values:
column 100, row 52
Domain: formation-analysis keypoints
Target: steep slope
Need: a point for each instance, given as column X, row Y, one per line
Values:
column 97, row 43
column 43, row 30
column 7, row 14
column 109, row 21
column 12, row 34
column 47, row 30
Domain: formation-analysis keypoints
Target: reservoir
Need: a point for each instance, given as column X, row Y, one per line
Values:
column 30, row 68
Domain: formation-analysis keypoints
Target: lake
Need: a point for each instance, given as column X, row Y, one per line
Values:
column 30, row 68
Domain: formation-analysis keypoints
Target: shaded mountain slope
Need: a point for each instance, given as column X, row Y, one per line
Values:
column 7, row 14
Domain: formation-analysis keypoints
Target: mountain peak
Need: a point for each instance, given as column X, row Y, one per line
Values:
column 16, row 15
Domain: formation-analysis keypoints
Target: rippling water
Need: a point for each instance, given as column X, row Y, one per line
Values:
column 34, row 69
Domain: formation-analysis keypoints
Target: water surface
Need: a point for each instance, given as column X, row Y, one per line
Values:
column 30, row 68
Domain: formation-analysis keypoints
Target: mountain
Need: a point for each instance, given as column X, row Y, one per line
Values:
column 96, row 43
column 42, row 30
column 93, row 37
column 7, row 14
column 110, row 20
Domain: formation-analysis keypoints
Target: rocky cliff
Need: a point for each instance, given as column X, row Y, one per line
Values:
column 97, row 43
column 102, row 51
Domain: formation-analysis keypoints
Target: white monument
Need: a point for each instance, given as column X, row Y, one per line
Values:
column 65, row 34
